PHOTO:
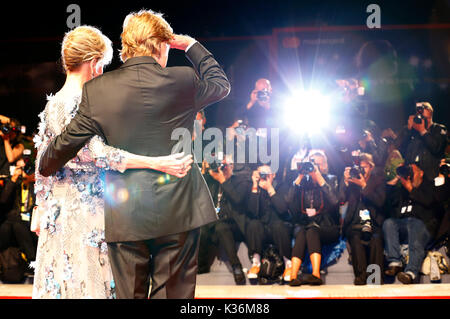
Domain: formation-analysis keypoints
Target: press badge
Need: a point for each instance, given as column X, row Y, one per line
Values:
column 25, row 217
column 311, row 212
column 364, row 214
column 406, row 209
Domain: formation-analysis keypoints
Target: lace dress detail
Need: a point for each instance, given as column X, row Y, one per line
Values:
column 72, row 260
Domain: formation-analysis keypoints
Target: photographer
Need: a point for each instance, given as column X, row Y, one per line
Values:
column 229, row 194
column 17, row 199
column 11, row 148
column 363, row 188
column 268, row 209
column 423, row 140
column 313, row 205
column 442, row 191
column 372, row 143
column 258, row 112
column 413, row 220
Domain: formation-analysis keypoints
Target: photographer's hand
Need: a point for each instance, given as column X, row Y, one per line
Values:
column 317, row 176
column 4, row 119
column 253, row 99
column 407, row 184
column 393, row 181
column 361, row 181
column 346, row 175
column 420, row 127
column 18, row 171
column 298, row 180
column 410, row 121
column 266, row 184
column 255, row 180
column 218, row 176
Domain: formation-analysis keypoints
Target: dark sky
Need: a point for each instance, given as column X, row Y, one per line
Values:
column 215, row 18
column 44, row 21
column 32, row 31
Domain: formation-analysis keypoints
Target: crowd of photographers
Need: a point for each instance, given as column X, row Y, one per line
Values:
column 16, row 197
column 378, row 193
column 382, row 192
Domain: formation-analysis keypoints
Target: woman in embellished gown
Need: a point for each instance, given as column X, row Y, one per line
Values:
column 72, row 259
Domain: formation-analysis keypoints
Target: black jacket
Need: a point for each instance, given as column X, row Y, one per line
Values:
column 325, row 202
column 371, row 198
column 11, row 200
column 137, row 108
column 265, row 208
column 422, row 202
column 442, row 196
column 234, row 197
column 429, row 148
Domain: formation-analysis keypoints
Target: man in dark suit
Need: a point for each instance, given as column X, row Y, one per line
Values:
column 153, row 227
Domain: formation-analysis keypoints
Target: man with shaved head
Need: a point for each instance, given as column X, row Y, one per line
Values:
column 258, row 111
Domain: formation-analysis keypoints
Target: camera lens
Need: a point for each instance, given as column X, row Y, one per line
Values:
column 305, row 168
column 354, row 172
column 262, row 95
column 418, row 119
column 444, row 169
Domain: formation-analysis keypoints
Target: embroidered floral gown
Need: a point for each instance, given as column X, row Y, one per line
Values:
column 72, row 260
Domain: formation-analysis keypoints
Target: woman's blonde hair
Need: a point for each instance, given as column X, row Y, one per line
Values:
column 83, row 44
column 142, row 34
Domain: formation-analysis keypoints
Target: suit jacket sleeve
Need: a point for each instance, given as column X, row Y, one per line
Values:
column 66, row 146
column 211, row 83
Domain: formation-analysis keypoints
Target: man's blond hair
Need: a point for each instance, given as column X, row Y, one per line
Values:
column 142, row 34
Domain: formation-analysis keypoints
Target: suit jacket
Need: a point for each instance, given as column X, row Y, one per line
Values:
column 136, row 108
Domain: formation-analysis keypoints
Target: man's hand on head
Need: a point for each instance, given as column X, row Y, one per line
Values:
column 181, row 42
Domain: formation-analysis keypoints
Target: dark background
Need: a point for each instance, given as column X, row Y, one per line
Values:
column 243, row 35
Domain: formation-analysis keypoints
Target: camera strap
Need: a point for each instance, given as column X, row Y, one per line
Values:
column 311, row 211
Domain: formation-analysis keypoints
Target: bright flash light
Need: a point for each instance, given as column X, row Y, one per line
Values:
column 307, row 112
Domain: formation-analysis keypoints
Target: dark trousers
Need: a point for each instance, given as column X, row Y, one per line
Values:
column 313, row 238
column 363, row 254
column 17, row 233
column 277, row 232
column 229, row 234
column 169, row 262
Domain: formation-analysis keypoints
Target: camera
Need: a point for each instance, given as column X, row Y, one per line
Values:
column 445, row 169
column 419, row 114
column 8, row 129
column 405, row 171
column 29, row 165
column 263, row 95
column 305, row 168
column 365, row 225
column 215, row 166
column 355, row 171
column 366, row 230
column 263, row 176
column 241, row 128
